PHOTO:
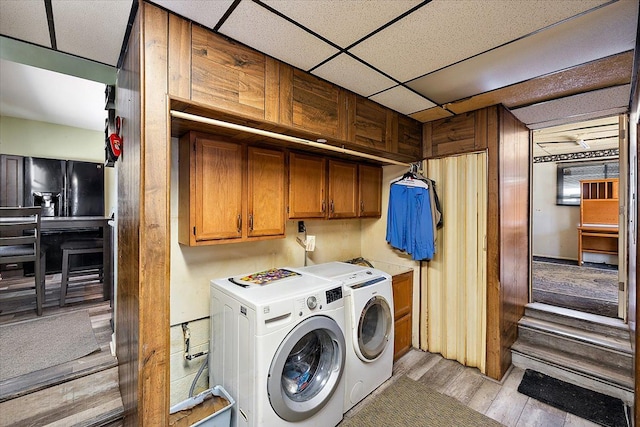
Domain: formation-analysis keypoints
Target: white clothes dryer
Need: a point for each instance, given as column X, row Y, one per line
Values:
column 369, row 308
column 279, row 349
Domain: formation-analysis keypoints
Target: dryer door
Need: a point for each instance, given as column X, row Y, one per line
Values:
column 306, row 368
column 374, row 329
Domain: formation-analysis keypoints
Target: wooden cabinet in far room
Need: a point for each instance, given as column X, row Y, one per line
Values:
column 370, row 190
column 402, row 303
column 224, row 198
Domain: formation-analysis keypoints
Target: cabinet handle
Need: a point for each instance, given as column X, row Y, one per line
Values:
column 331, row 206
column 250, row 222
column 239, row 223
column 324, row 206
column 361, row 206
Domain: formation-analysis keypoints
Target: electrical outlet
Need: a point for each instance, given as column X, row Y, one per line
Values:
column 301, row 227
column 310, row 244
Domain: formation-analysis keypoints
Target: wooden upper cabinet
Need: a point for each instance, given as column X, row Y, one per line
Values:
column 226, row 74
column 343, row 189
column 370, row 123
column 370, row 190
column 310, row 103
column 266, row 174
column 307, row 186
column 409, row 137
column 463, row 133
column 229, row 192
column 218, row 190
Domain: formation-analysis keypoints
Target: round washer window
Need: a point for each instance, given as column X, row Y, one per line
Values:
column 306, row 369
column 374, row 328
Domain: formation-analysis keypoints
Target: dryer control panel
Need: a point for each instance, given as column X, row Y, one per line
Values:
column 361, row 279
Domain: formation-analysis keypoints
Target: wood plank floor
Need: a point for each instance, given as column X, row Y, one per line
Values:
column 82, row 392
column 500, row 401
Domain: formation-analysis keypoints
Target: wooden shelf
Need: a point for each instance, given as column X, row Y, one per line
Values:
column 598, row 230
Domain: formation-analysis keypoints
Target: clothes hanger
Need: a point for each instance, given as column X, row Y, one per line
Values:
column 412, row 178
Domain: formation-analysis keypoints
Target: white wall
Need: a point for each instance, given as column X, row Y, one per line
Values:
column 555, row 233
column 39, row 139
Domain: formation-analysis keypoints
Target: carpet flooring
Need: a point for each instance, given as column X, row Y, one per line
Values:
column 47, row 341
column 410, row 403
column 587, row 289
column 590, row 405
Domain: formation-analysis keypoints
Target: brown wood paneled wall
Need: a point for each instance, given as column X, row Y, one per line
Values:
column 143, row 221
column 154, row 231
column 514, row 179
column 129, row 187
column 507, row 143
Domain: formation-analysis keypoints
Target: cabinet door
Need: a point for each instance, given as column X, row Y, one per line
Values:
column 309, row 103
column 218, row 190
column 370, row 124
column 370, row 190
column 402, row 304
column 227, row 75
column 11, row 180
column 266, row 181
column 343, row 189
column 307, row 183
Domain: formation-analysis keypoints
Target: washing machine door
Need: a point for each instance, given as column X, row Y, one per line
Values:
column 374, row 329
column 306, row 368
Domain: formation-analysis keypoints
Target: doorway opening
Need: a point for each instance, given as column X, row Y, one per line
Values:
column 577, row 236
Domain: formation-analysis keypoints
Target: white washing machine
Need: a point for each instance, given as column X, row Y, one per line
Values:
column 279, row 348
column 369, row 307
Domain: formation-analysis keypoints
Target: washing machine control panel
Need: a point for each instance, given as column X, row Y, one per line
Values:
column 319, row 301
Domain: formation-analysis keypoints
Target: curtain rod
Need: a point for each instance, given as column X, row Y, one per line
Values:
column 294, row 139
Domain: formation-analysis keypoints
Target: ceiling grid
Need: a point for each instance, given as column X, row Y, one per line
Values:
column 424, row 58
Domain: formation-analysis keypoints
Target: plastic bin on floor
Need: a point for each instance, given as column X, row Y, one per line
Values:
column 220, row 418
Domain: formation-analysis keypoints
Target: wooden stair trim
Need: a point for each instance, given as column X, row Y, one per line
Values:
column 567, row 362
column 615, row 344
column 577, row 315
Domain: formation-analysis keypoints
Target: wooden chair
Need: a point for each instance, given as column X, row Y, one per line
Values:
column 20, row 242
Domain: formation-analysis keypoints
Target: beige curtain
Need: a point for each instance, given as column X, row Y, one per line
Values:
column 453, row 302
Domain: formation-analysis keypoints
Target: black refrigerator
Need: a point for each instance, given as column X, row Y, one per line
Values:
column 64, row 187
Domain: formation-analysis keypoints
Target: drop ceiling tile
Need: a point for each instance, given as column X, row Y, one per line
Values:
column 25, row 20
column 402, row 100
column 204, row 12
column 599, row 103
column 601, row 33
column 351, row 74
column 80, row 23
column 268, row 33
column 342, row 22
column 444, row 32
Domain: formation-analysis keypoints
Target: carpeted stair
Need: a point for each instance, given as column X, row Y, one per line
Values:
column 588, row 350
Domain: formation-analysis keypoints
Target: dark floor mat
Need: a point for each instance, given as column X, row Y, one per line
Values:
column 590, row 405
